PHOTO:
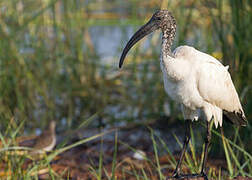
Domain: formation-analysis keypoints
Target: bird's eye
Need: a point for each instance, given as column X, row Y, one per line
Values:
column 159, row 18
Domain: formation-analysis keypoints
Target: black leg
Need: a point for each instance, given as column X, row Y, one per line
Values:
column 176, row 173
column 186, row 141
column 207, row 143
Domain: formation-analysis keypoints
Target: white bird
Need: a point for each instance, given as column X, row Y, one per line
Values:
column 196, row 80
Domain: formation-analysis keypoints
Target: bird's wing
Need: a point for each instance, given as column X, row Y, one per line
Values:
column 43, row 140
column 216, row 87
column 191, row 54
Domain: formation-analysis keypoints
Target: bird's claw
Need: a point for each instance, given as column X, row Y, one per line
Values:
column 203, row 174
column 174, row 176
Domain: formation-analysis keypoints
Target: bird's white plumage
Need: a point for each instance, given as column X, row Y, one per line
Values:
column 199, row 82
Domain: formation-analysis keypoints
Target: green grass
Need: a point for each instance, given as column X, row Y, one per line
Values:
column 237, row 158
column 14, row 158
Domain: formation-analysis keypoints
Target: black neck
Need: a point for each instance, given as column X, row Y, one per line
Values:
column 167, row 40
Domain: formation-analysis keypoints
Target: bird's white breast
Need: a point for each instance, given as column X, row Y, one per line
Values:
column 180, row 82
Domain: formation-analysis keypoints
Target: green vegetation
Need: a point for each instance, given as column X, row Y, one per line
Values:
column 54, row 66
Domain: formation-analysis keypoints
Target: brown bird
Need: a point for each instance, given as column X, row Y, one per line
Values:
column 47, row 140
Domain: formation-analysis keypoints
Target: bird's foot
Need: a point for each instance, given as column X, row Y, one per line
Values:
column 187, row 176
column 175, row 175
column 203, row 174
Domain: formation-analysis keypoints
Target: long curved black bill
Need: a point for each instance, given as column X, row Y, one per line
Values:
column 143, row 31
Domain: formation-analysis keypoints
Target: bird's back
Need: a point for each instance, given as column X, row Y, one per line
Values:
column 214, row 83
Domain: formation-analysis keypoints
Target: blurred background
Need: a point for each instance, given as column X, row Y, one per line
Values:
column 59, row 60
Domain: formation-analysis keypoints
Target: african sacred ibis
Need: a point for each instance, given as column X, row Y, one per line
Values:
column 194, row 79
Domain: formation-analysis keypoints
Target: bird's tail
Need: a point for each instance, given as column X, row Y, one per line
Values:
column 236, row 117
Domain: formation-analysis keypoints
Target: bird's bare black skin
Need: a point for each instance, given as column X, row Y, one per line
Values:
column 142, row 32
column 164, row 20
column 186, row 141
column 176, row 173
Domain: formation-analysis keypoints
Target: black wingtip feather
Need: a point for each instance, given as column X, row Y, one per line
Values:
column 237, row 118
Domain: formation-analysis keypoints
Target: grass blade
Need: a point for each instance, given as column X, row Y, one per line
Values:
column 161, row 176
column 230, row 168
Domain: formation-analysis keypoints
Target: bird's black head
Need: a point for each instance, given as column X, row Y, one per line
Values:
column 164, row 20
column 161, row 19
